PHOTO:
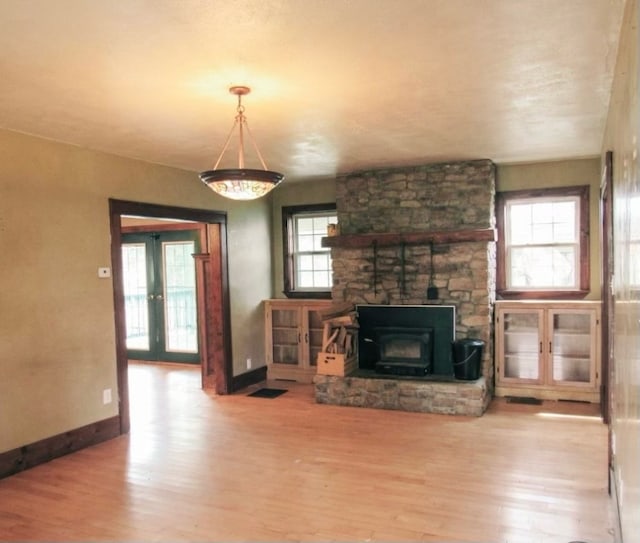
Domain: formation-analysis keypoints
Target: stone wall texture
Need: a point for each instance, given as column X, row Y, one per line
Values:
column 458, row 398
column 431, row 198
column 448, row 196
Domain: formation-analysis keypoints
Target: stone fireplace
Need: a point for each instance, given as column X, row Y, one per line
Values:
column 417, row 236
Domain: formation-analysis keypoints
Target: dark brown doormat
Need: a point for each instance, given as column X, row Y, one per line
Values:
column 524, row 399
column 268, row 392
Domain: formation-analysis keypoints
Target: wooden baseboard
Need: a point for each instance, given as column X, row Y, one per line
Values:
column 249, row 378
column 42, row 451
column 549, row 393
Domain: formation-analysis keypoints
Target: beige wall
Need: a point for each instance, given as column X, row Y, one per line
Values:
column 57, row 339
column 562, row 173
column 316, row 191
column 621, row 137
column 509, row 177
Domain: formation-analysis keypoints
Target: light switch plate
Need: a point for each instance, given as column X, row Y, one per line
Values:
column 104, row 272
column 106, row 396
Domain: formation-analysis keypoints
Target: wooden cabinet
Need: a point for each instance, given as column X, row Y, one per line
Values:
column 548, row 350
column 293, row 338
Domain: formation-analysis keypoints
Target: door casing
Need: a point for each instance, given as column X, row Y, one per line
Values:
column 212, row 270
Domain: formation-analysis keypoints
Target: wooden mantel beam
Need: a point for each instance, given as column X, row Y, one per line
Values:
column 360, row 241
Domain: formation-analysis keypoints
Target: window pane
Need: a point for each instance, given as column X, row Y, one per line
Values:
column 320, row 278
column 305, row 243
column 305, row 262
column 181, row 330
column 134, row 272
column 314, row 271
column 320, row 225
column 305, row 279
column 304, row 226
column 542, row 232
column 548, row 222
column 543, row 267
column 312, row 261
column 564, row 221
column 519, row 220
column 321, row 262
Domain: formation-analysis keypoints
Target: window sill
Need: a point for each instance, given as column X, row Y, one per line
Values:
column 542, row 294
column 309, row 294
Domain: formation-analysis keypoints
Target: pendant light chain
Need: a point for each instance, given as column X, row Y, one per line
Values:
column 242, row 125
column 241, row 122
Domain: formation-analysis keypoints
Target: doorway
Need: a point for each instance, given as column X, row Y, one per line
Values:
column 212, row 286
column 160, row 299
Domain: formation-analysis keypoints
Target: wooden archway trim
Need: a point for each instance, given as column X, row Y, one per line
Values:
column 214, row 313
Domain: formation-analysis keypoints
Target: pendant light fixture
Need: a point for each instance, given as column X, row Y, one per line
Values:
column 241, row 183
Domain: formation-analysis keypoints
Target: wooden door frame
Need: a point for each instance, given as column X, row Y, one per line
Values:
column 214, row 330
column 606, row 257
column 606, row 272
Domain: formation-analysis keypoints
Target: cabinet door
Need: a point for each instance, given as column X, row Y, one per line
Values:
column 572, row 347
column 312, row 340
column 519, row 344
column 285, row 335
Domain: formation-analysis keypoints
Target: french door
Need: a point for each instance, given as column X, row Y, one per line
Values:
column 160, row 295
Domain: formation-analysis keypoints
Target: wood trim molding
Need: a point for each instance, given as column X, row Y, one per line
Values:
column 220, row 369
column 249, row 378
column 502, row 198
column 29, row 456
column 361, row 241
column 171, row 227
column 288, row 268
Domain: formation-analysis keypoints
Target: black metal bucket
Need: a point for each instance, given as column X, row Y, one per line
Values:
column 467, row 358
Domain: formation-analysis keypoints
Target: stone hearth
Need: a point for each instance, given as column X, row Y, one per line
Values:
column 401, row 231
column 445, row 397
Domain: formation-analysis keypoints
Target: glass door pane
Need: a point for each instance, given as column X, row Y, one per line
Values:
column 571, row 346
column 180, row 313
column 134, row 272
column 160, row 295
column 522, row 340
column 286, row 336
column 315, row 335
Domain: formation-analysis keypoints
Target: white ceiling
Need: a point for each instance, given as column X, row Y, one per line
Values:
column 337, row 85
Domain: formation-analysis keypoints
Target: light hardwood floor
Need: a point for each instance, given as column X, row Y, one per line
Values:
column 200, row 467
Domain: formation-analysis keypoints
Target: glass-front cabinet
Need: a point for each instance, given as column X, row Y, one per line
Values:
column 293, row 338
column 522, row 340
column 548, row 350
column 572, row 346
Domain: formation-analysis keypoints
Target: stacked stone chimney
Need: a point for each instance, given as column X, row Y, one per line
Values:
column 394, row 219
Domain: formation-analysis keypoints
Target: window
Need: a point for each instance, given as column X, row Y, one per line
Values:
column 543, row 238
column 307, row 266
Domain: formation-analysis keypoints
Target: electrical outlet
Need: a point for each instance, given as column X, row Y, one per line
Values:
column 106, row 396
column 248, row 363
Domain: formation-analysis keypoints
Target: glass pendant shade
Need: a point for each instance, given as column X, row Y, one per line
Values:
column 241, row 183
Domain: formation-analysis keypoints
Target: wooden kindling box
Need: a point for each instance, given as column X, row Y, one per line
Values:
column 339, row 340
column 336, row 364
